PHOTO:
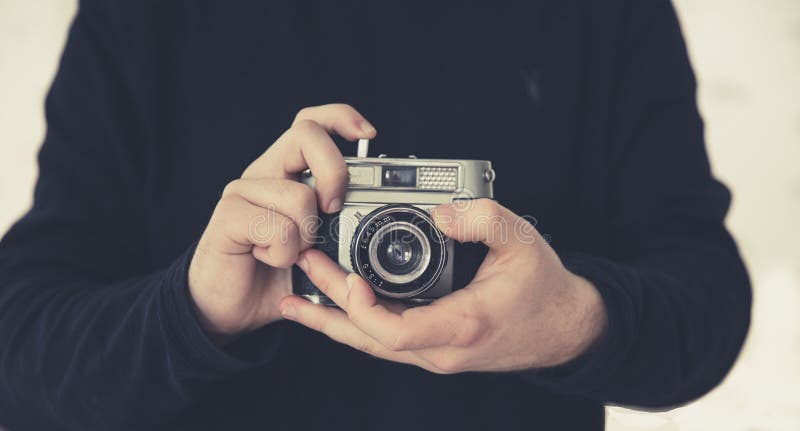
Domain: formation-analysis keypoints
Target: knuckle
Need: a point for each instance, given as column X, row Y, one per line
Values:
column 304, row 126
column 470, row 331
column 448, row 363
column 227, row 203
column 233, row 187
column 304, row 113
column 343, row 108
column 222, row 220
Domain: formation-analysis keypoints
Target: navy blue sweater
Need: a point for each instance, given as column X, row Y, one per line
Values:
column 587, row 110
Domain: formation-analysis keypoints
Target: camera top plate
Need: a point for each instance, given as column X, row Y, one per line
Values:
column 414, row 181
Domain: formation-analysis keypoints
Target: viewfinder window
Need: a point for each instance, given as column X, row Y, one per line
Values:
column 401, row 176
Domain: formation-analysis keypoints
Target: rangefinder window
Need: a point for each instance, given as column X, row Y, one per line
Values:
column 399, row 176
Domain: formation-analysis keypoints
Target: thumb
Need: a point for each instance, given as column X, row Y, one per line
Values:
column 486, row 221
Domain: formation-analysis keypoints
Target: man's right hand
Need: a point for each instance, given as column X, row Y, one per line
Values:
column 241, row 268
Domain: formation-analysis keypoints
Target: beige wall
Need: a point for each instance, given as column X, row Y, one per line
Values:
column 747, row 56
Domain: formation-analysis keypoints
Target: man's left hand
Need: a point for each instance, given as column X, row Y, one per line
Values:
column 523, row 309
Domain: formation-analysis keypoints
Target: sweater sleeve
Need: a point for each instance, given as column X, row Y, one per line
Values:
column 676, row 291
column 91, row 337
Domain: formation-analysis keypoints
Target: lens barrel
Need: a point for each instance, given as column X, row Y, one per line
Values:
column 399, row 251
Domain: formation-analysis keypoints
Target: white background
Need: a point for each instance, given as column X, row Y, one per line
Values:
column 747, row 57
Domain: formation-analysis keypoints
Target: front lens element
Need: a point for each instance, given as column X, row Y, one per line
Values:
column 400, row 252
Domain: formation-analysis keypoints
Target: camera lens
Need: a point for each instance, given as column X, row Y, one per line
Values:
column 398, row 250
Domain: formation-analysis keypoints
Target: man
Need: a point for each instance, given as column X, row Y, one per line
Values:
column 134, row 296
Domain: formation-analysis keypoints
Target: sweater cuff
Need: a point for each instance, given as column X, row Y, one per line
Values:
column 593, row 371
column 190, row 344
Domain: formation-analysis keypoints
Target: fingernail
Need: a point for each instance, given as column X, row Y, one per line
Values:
column 350, row 280
column 303, row 263
column 367, row 128
column 335, row 205
column 289, row 312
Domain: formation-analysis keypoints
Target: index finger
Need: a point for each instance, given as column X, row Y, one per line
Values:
column 307, row 144
column 486, row 221
column 338, row 118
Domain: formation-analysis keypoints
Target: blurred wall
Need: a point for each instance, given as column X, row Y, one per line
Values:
column 32, row 34
column 747, row 57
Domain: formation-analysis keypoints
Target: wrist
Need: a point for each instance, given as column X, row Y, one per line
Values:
column 594, row 316
column 590, row 314
column 585, row 322
column 217, row 336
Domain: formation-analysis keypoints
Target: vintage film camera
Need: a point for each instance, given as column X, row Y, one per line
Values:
column 384, row 231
